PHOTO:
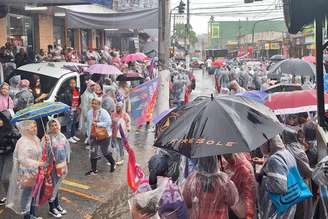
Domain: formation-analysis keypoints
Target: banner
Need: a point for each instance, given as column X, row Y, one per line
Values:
column 143, row 100
column 215, row 30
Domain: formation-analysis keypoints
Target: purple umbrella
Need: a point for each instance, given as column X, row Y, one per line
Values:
column 259, row 96
column 158, row 118
column 103, row 69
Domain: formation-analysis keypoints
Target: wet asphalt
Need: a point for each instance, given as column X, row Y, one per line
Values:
column 106, row 195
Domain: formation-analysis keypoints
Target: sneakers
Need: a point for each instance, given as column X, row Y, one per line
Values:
column 61, row 210
column 3, row 201
column 91, row 173
column 88, row 147
column 35, row 217
column 55, row 213
column 112, row 169
column 120, row 162
column 71, row 140
column 86, row 141
column 76, row 138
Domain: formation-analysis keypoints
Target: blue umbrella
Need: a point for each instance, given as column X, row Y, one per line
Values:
column 259, row 96
column 39, row 110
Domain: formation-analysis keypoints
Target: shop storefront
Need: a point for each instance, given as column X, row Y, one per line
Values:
column 59, row 31
column 84, row 40
column 20, row 30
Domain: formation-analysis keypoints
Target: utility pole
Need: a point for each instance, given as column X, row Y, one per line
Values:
column 188, row 35
column 164, row 31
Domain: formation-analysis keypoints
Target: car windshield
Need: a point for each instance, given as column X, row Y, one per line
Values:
column 47, row 83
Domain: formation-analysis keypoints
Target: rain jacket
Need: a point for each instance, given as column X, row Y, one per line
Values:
column 27, row 155
column 85, row 106
column 208, row 194
column 275, row 173
column 61, row 151
column 245, row 182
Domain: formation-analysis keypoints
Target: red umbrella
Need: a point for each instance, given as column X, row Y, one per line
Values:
column 218, row 63
column 135, row 57
column 294, row 102
column 310, row 59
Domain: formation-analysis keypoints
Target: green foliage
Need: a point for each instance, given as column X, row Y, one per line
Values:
column 181, row 33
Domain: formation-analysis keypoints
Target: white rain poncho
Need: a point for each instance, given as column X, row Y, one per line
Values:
column 61, row 151
column 27, row 155
column 86, row 99
column 274, row 179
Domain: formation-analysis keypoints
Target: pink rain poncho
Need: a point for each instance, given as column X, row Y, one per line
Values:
column 242, row 174
column 27, row 156
column 208, row 193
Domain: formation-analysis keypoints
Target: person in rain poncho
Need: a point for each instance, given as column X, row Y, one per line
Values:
column 27, row 160
column 208, row 192
column 274, row 178
column 6, row 103
column 108, row 100
column 61, row 150
column 85, row 105
column 171, row 204
column 14, row 85
column 120, row 118
column 24, row 97
column 236, row 88
column 180, row 82
column 239, row 170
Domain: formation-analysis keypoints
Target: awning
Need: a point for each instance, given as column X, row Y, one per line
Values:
column 46, row 2
column 123, row 20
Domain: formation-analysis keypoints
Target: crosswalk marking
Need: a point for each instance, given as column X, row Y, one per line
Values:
column 82, row 195
column 75, row 184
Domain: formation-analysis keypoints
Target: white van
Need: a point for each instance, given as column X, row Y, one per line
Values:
column 54, row 76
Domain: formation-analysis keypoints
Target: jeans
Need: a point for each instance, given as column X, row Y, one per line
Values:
column 54, row 204
column 24, row 202
column 71, row 118
column 118, row 144
column 5, row 171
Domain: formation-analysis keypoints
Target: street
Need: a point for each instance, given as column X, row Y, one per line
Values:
column 106, row 195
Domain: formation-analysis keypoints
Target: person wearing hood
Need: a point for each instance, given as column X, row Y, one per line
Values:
column 6, row 103
column 180, row 82
column 108, row 100
column 85, row 105
column 61, row 151
column 171, row 204
column 8, row 139
column 27, row 160
column 274, row 178
column 208, row 192
column 242, row 174
column 14, row 85
column 120, row 118
column 24, row 97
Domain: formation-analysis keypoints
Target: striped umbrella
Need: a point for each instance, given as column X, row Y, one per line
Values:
column 39, row 110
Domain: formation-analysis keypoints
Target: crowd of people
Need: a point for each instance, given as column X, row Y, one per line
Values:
column 94, row 116
column 239, row 185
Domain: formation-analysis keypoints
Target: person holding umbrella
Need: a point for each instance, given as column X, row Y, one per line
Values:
column 27, row 160
column 61, row 151
column 208, row 192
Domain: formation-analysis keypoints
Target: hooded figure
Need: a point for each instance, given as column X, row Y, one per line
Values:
column 14, row 85
column 275, row 172
column 27, row 160
column 208, row 192
column 85, row 105
column 24, row 97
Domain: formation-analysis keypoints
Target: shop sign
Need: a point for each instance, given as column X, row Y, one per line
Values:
column 275, row 46
column 267, row 46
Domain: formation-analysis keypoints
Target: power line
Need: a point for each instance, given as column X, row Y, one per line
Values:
column 233, row 6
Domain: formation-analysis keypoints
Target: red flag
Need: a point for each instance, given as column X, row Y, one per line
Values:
column 135, row 174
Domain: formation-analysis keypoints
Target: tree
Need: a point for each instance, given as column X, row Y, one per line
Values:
column 181, row 33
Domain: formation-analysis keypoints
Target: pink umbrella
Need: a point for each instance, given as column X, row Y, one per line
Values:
column 103, row 69
column 135, row 57
column 310, row 59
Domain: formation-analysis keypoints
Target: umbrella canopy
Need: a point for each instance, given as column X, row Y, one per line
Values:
column 218, row 63
column 103, row 69
column 259, row 96
column 134, row 57
column 277, row 58
column 294, row 102
column 130, row 76
column 40, row 110
column 221, row 125
column 294, row 67
column 163, row 114
column 283, row 88
column 310, row 59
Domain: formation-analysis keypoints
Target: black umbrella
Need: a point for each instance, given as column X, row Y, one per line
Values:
column 293, row 67
column 131, row 76
column 221, row 125
column 277, row 58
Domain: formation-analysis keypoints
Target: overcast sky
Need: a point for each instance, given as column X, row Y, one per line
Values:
column 224, row 10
